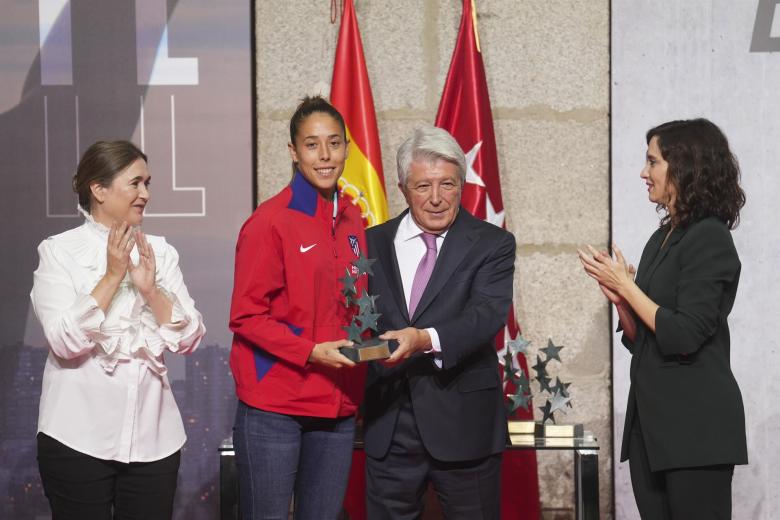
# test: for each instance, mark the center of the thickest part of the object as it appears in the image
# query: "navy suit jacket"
(458, 408)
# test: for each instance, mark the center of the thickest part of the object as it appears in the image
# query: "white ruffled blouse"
(105, 390)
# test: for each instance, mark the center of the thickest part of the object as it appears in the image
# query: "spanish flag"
(362, 180)
(350, 93)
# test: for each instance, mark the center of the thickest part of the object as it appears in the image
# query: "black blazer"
(458, 408)
(688, 402)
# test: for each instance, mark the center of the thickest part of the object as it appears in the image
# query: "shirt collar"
(408, 229)
(93, 225)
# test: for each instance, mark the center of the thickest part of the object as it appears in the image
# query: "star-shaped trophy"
(365, 319)
(517, 380)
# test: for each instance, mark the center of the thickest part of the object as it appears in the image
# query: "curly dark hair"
(702, 170)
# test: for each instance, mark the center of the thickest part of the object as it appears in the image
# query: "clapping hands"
(121, 240)
(143, 274)
(613, 275)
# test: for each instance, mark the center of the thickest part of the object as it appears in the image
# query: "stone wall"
(547, 66)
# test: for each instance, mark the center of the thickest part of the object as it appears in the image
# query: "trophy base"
(369, 350)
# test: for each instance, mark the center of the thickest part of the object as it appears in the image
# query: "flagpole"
(474, 23)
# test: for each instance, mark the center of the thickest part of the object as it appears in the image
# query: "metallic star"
(561, 387)
(559, 402)
(519, 400)
(521, 381)
(366, 302)
(547, 411)
(348, 283)
(368, 321)
(364, 265)
(518, 344)
(353, 332)
(551, 350)
(540, 367)
(544, 383)
(509, 365)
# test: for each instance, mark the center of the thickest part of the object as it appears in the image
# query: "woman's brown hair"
(702, 170)
(100, 164)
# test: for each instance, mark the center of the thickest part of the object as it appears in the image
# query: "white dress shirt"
(409, 250)
(105, 391)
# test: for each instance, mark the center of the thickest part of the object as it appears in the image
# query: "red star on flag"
(464, 111)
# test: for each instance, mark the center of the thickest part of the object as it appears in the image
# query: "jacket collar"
(660, 249)
(304, 195)
(306, 199)
(461, 236)
(385, 248)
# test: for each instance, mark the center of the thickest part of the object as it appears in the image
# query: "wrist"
(423, 339)
(622, 290)
(113, 278)
(625, 291)
(150, 293)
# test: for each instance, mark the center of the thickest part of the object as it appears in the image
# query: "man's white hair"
(428, 144)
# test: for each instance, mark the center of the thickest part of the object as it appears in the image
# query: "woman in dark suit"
(685, 424)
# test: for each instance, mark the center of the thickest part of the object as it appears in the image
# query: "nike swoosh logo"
(304, 249)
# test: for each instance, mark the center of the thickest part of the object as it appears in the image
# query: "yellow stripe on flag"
(362, 184)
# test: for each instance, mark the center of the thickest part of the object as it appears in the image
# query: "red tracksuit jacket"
(287, 297)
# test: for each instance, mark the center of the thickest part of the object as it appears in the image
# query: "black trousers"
(80, 487)
(395, 484)
(702, 493)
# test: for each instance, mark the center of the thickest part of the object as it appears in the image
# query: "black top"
(682, 387)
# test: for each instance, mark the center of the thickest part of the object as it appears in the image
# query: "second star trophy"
(366, 318)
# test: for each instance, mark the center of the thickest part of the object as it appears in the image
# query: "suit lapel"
(459, 240)
(655, 255)
(387, 257)
(649, 255)
(647, 275)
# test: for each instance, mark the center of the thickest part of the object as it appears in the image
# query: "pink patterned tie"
(424, 270)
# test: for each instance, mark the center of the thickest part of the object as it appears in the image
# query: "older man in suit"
(434, 411)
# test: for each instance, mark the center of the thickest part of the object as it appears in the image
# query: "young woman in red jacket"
(297, 393)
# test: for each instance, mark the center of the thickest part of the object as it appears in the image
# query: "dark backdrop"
(174, 77)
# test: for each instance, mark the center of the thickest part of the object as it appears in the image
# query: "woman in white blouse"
(111, 301)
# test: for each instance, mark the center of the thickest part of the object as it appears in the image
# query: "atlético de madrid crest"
(355, 245)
